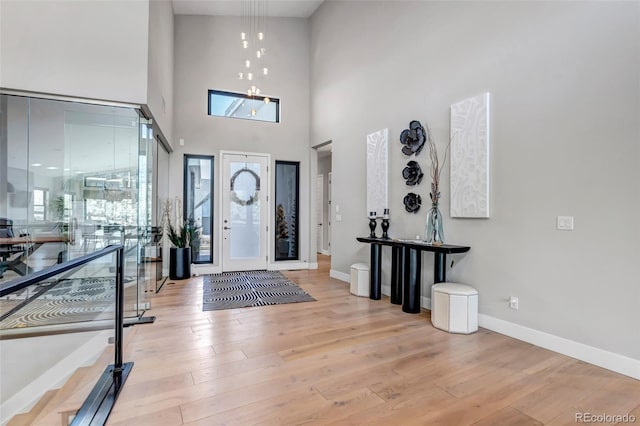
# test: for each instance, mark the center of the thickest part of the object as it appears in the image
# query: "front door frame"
(264, 182)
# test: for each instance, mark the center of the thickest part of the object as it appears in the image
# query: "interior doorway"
(323, 201)
(320, 213)
(329, 215)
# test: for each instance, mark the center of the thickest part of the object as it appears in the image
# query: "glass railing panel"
(82, 295)
(68, 312)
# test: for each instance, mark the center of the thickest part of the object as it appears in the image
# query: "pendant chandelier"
(252, 38)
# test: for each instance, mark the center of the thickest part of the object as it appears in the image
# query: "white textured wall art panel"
(377, 172)
(470, 157)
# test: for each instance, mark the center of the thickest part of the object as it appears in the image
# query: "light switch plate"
(338, 218)
(565, 223)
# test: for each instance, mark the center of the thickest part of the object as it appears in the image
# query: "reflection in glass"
(286, 229)
(73, 179)
(239, 105)
(198, 190)
(245, 210)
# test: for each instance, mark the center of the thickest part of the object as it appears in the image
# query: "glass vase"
(433, 229)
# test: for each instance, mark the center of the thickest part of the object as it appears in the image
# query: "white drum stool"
(360, 279)
(454, 308)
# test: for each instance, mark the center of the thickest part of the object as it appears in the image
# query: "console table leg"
(439, 268)
(397, 269)
(412, 290)
(375, 274)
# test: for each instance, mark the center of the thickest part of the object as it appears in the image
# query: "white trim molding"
(291, 266)
(425, 302)
(205, 268)
(340, 276)
(605, 359)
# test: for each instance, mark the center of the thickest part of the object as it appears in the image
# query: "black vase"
(179, 263)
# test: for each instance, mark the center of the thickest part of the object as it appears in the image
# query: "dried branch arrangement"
(436, 170)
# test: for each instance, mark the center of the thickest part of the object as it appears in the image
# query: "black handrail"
(35, 277)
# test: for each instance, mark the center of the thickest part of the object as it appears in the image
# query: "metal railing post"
(119, 310)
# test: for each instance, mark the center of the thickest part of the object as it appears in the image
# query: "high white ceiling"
(276, 8)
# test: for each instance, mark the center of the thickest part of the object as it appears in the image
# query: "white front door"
(245, 184)
(319, 213)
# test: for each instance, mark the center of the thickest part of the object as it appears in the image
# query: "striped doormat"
(231, 290)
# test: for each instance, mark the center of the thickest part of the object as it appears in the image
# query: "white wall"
(93, 49)
(21, 364)
(160, 79)
(209, 55)
(564, 80)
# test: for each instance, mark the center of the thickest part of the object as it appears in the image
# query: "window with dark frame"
(240, 105)
(198, 203)
(286, 210)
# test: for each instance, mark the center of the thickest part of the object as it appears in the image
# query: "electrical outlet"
(513, 302)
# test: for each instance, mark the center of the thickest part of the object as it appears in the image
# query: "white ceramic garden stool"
(360, 279)
(454, 308)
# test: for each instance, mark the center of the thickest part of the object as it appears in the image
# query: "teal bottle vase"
(434, 233)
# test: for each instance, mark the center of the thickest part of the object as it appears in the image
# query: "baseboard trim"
(425, 302)
(386, 290)
(340, 275)
(204, 269)
(291, 266)
(605, 359)
(55, 377)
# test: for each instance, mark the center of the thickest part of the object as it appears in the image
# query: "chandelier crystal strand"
(253, 36)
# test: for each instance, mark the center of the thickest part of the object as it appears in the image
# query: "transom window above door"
(240, 105)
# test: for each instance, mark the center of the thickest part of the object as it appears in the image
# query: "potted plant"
(282, 232)
(183, 237)
(193, 229)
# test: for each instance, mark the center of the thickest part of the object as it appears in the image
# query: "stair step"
(59, 407)
(28, 418)
(80, 382)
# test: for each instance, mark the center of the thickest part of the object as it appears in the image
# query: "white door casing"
(319, 213)
(328, 219)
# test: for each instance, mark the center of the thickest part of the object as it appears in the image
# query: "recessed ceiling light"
(78, 172)
(66, 169)
(52, 168)
(36, 165)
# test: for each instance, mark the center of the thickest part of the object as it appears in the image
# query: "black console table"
(406, 266)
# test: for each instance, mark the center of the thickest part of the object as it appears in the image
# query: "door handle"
(319, 224)
(226, 227)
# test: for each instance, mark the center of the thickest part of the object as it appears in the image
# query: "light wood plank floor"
(346, 360)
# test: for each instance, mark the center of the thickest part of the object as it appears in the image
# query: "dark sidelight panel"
(286, 226)
(198, 203)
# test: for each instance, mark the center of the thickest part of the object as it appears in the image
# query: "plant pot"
(283, 247)
(179, 263)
